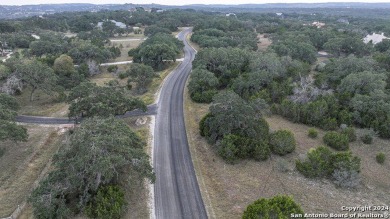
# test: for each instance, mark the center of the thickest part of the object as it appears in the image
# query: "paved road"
(152, 110)
(176, 190)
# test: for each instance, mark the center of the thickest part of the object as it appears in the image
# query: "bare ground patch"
(263, 42)
(228, 189)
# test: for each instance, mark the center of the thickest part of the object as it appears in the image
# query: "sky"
(174, 2)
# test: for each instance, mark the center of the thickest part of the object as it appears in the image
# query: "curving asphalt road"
(176, 190)
(152, 110)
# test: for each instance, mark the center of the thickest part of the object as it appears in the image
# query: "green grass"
(43, 104)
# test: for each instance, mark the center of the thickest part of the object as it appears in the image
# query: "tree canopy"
(100, 152)
(9, 130)
(90, 100)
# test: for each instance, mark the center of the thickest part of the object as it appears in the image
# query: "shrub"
(122, 75)
(277, 207)
(346, 178)
(203, 129)
(330, 124)
(108, 203)
(351, 133)
(380, 158)
(282, 165)
(282, 142)
(228, 148)
(112, 68)
(312, 133)
(342, 167)
(346, 170)
(336, 140)
(317, 163)
(367, 138)
(2, 152)
(261, 151)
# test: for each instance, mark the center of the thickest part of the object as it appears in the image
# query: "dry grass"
(127, 45)
(264, 43)
(136, 195)
(228, 189)
(43, 104)
(23, 163)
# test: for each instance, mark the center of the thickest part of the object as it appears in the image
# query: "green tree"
(362, 83)
(89, 100)
(109, 27)
(202, 86)
(68, 76)
(108, 203)
(282, 142)
(9, 130)
(142, 75)
(156, 50)
(236, 127)
(100, 152)
(38, 76)
(336, 140)
(281, 207)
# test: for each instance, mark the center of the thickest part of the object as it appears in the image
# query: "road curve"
(152, 110)
(176, 189)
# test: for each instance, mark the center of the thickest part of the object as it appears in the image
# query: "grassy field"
(228, 189)
(23, 163)
(126, 46)
(43, 104)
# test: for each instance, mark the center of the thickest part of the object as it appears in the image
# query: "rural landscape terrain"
(195, 111)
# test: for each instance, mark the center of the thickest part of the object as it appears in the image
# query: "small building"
(231, 14)
(374, 38)
(318, 24)
(117, 23)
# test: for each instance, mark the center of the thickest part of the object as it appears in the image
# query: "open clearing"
(43, 104)
(228, 189)
(23, 163)
(264, 42)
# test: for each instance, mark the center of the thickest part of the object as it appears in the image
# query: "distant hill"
(9, 12)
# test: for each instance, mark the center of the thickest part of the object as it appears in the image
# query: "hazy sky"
(173, 2)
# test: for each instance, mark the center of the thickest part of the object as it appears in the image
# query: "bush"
(330, 124)
(367, 138)
(277, 207)
(203, 129)
(228, 148)
(351, 133)
(108, 203)
(112, 68)
(312, 133)
(261, 151)
(346, 170)
(122, 75)
(317, 163)
(342, 167)
(336, 140)
(380, 158)
(282, 142)
(2, 152)
(346, 178)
